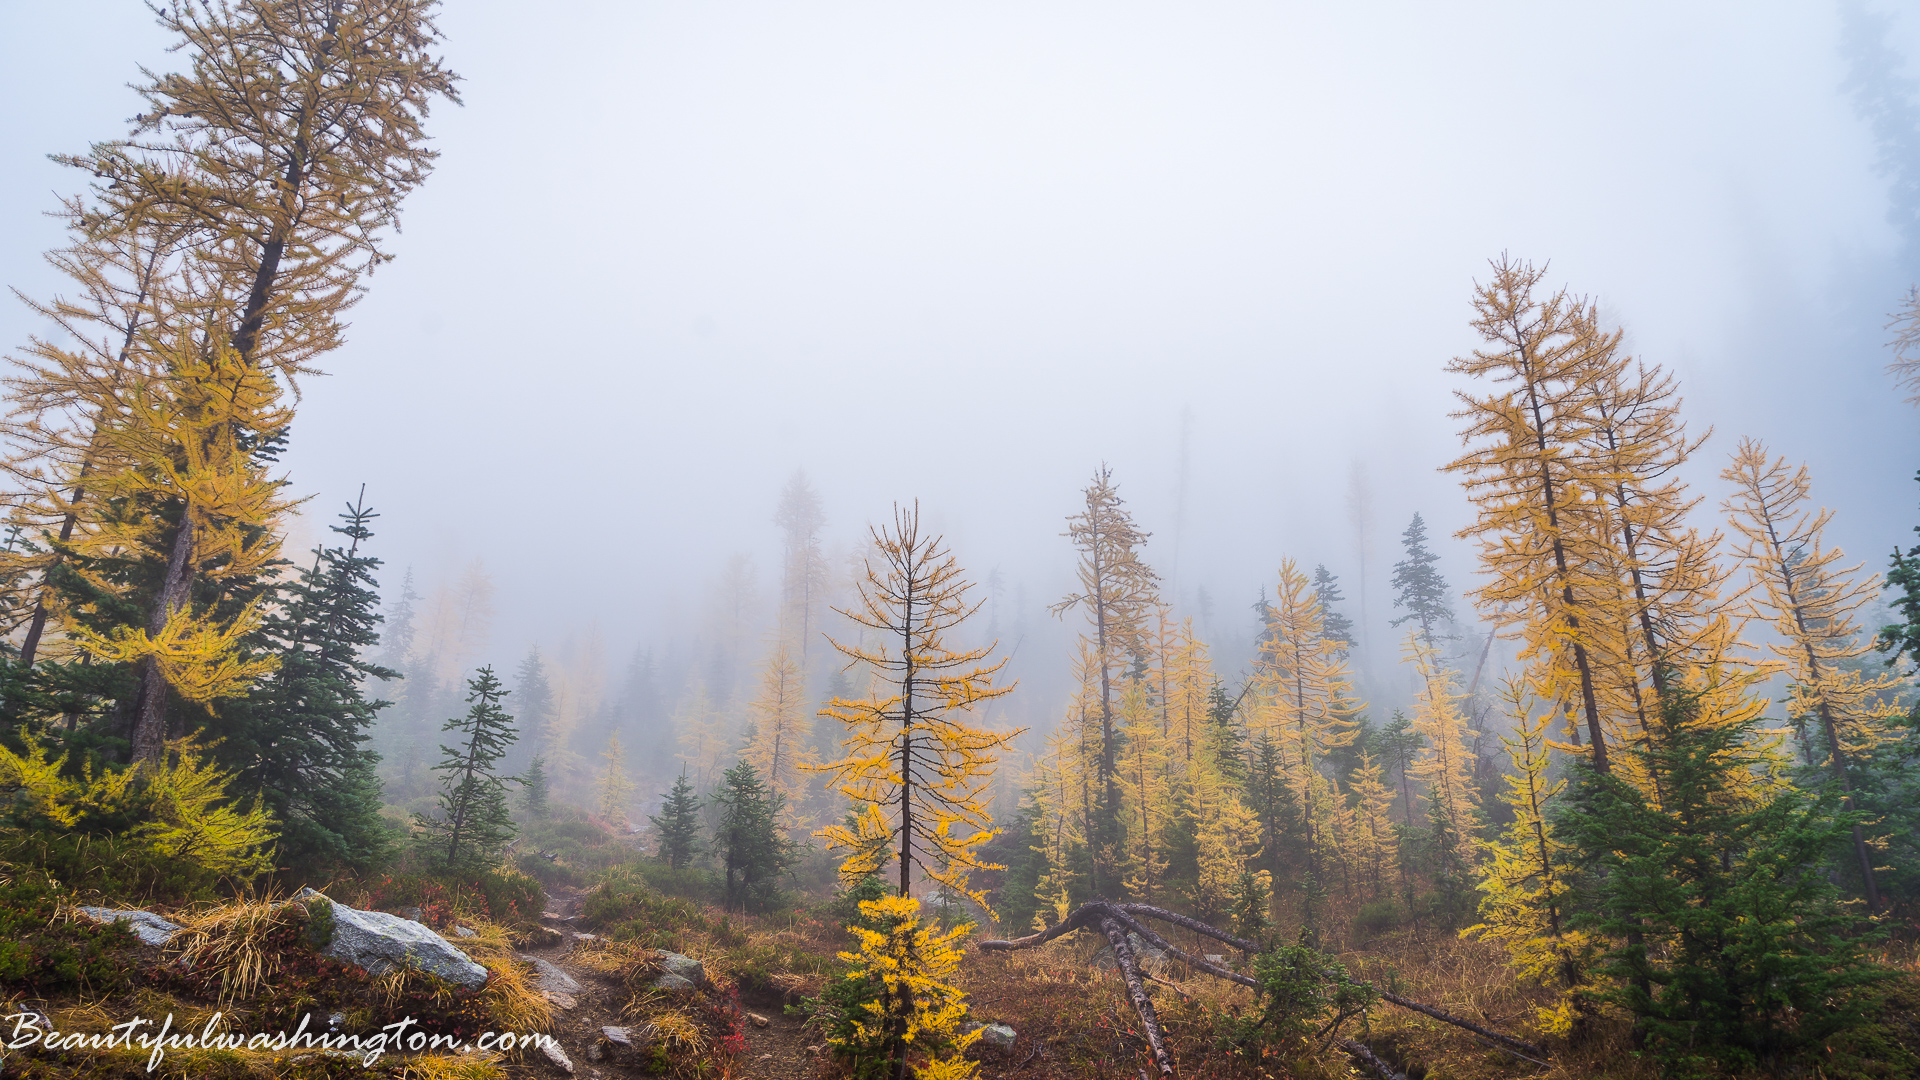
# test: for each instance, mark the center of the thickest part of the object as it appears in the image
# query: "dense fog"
(672, 254)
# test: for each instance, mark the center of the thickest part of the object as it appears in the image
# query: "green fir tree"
(752, 848)
(1736, 951)
(678, 824)
(473, 827)
(1419, 588)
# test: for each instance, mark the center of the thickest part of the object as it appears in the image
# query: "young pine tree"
(473, 826)
(1418, 586)
(1737, 951)
(678, 824)
(752, 847)
(533, 790)
(301, 733)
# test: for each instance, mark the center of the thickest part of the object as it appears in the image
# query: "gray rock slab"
(148, 927)
(550, 978)
(378, 942)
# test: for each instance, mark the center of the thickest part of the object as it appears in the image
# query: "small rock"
(681, 973)
(411, 913)
(564, 1001)
(758, 1020)
(148, 927)
(551, 978)
(998, 1036)
(585, 937)
(766, 1057)
(1216, 959)
(550, 916)
(625, 1045)
(463, 931)
(551, 1048)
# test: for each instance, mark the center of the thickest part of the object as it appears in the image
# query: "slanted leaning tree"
(284, 152)
(1812, 604)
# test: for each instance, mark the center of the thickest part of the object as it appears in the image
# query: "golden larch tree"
(1118, 595)
(614, 791)
(1146, 800)
(1444, 762)
(281, 157)
(1375, 845)
(1812, 604)
(1525, 883)
(911, 756)
(1306, 704)
(1526, 471)
(780, 749)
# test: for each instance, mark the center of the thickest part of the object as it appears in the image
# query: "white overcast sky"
(966, 252)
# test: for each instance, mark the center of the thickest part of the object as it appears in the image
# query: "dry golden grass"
(512, 1000)
(451, 1067)
(622, 960)
(233, 937)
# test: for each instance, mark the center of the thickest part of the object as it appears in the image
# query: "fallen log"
(1115, 920)
(1129, 968)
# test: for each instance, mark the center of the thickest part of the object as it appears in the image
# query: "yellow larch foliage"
(705, 737)
(1227, 836)
(186, 426)
(918, 1007)
(1527, 472)
(1669, 581)
(1056, 791)
(1186, 678)
(1812, 604)
(181, 804)
(1373, 842)
(1057, 825)
(1525, 882)
(910, 751)
(1306, 706)
(782, 727)
(1146, 796)
(1445, 760)
(615, 790)
(56, 396)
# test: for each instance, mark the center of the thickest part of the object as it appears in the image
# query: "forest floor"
(779, 1050)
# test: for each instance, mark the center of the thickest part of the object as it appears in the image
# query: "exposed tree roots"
(1115, 921)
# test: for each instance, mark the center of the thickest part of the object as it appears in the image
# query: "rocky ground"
(587, 1002)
